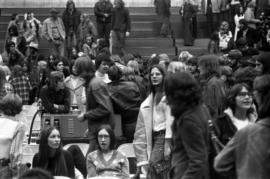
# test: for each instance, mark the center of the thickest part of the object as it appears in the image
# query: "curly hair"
(183, 92)
(11, 104)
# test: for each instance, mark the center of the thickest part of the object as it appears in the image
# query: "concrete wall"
(79, 3)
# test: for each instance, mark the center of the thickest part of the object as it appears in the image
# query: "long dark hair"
(44, 154)
(85, 69)
(152, 89)
(111, 134)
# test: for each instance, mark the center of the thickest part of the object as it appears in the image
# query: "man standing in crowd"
(71, 19)
(212, 10)
(54, 32)
(103, 13)
(120, 27)
(190, 139)
(163, 11)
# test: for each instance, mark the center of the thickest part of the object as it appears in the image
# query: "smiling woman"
(51, 156)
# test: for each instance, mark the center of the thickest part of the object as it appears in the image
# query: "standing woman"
(152, 136)
(12, 133)
(51, 155)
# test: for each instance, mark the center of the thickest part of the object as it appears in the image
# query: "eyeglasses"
(103, 136)
(244, 94)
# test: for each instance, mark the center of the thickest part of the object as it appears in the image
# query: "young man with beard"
(190, 138)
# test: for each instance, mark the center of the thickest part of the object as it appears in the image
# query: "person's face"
(156, 77)
(54, 139)
(60, 84)
(74, 52)
(259, 67)
(202, 70)
(12, 48)
(104, 67)
(104, 140)
(89, 40)
(60, 66)
(71, 7)
(243, 99)
(17, 18)
(241, 10)
(117, 3)
(42, 65)
(54, 15)
(74, 71)
(29, 17)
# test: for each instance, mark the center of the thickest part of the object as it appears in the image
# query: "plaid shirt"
(6, 90)
(21, 87)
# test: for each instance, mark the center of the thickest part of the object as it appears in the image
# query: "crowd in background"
(203, 116)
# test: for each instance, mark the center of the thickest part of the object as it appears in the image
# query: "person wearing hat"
(54, 31)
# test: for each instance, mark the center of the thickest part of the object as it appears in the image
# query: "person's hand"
(80, 117)
(56, 106)
(106, 15)
(167, 149)
(144, 169)
(127, 34)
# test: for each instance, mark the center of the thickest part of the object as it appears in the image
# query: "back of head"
(85, 68)
(11, 104)
(114, 73)
(210, 63)
(54, 77)
(36, 173)
(182, 91)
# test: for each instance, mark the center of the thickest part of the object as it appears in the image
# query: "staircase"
(145, 27)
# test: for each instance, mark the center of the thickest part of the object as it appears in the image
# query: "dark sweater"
(120, 20)
(50, 97)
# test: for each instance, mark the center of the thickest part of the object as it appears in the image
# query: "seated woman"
(240, 112)
(107, 162)
(55, 96)
(12, 133)
(51, 155)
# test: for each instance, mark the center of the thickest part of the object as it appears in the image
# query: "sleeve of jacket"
(97, 11)
(46, 101)
(225, 160)
(104, 105)
(139, 142)
(196, 149)
(128, 21)
(66, 105)
(63, 27)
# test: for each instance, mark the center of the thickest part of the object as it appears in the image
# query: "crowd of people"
(190, 116)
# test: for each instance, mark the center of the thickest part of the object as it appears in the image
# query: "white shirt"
(159, 117)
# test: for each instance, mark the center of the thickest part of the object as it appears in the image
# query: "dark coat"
(126, 99)
(101, 8)
(191, 144)
(99, 109)
(226, 128)
(121, 20)
(50, 97)
(247, 153)
(71, 21)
